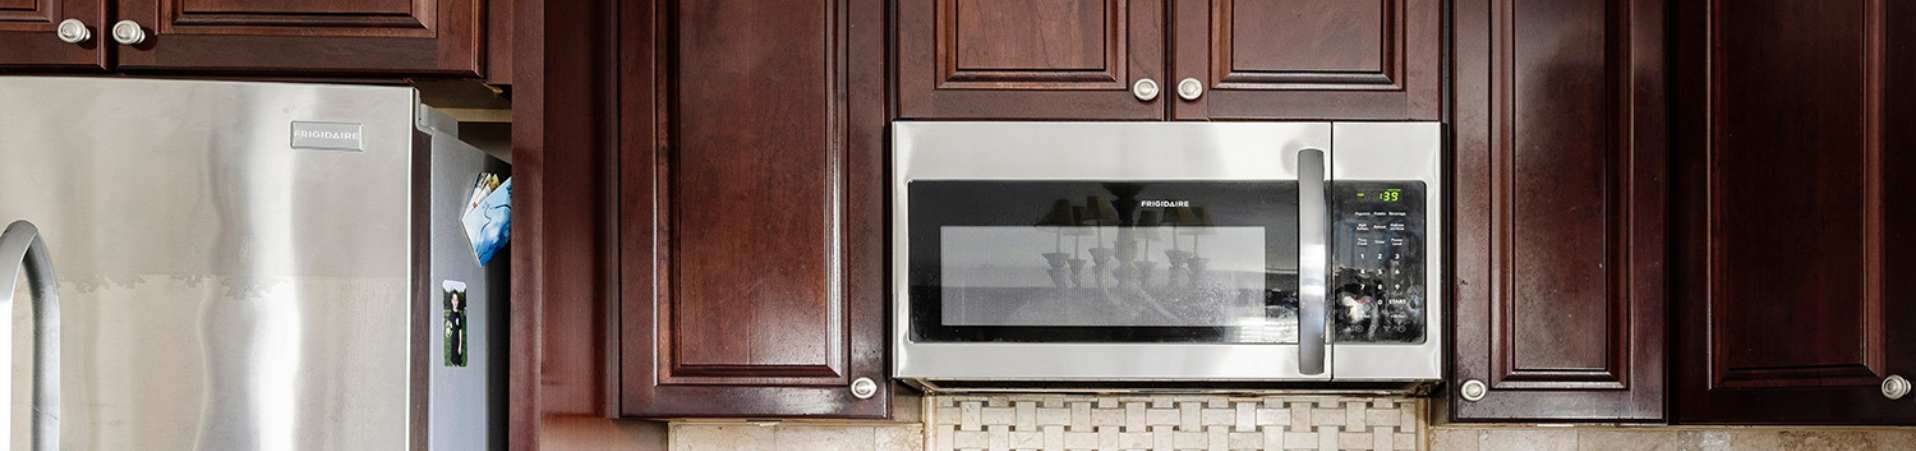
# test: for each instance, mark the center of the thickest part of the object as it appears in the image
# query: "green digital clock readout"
(1388, 195)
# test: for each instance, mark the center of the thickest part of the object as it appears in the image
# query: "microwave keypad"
(1378, 287)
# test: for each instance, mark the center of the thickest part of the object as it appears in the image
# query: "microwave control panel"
(1378, 287)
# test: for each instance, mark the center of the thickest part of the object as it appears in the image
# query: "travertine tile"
(1628, 440)
(900, 438)
(1512, 439)
(726, 437)
(1453, 439)
(825, 438)
(1833, 440)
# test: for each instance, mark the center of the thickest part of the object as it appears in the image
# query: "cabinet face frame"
(690, 345)
(1753, 353)
(1609, 367)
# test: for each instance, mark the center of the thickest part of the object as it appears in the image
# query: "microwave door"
(1111, 251)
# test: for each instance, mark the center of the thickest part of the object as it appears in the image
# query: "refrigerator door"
(221, 288)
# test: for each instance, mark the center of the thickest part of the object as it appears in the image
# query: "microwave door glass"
(1096, 262)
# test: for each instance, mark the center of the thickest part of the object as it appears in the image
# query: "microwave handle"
(1312, 243)
(22, 249)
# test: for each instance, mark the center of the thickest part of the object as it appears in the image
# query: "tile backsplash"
(1203, 423)
(1231, 423)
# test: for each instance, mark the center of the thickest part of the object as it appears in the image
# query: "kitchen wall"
(1228, 423)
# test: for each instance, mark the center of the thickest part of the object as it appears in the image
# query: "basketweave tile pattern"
(1171, 423)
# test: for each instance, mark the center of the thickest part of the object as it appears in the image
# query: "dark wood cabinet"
(305, 37)
(29, 38)
(1247, 59)
(425, 37)
(751, 208)
(1307, 59)
(1793, 241)
(1560, 210)
(1029, 59)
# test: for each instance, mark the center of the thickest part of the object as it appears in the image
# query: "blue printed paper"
(489, 225)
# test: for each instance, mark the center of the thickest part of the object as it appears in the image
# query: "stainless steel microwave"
(1124, 254)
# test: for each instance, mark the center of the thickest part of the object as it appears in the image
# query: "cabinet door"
(1307, 59)
(29, 42)
(412, 37)
(1794, 260)
(1030, 59)
(751, 215)
(1560, 161)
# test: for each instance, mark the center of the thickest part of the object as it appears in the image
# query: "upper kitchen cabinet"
(52, 35)
(1031, 59)
(1306, 59)
(1561, 194)
(1228, 59)
(303, 37)
(412, 37)
(751, 209)
(1794, 248)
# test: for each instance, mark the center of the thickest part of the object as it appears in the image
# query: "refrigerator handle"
(22, 249)
(1313, 241)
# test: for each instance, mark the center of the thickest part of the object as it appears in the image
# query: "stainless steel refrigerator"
(200, 265)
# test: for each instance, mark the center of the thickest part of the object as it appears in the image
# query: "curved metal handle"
(22, 249)
(1313, 239)
(128, 32)
(73, 31)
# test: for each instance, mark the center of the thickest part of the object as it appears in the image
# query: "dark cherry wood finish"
(416, 37)
(1792, 256)
(751, 225)
(1308, 59)
(1029, 59)
(1561, 187)
(28, 41)
(499, 40)
(564, 274)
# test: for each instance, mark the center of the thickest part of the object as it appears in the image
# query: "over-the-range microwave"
(1141, 256)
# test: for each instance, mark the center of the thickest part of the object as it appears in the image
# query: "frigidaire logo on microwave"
(1164, 203)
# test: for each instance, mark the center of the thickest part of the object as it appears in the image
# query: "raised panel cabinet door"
(1307, 59)
(1561, 195)
(1794, 293)
(353, 37)
(750, 218)
(30, 39)
(1031, 59)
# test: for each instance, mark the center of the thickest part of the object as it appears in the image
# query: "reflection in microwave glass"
(1109, 277)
